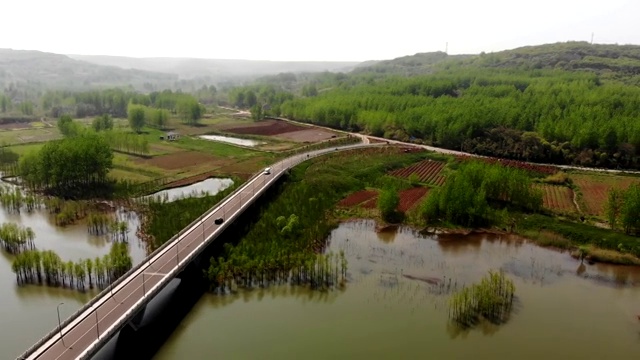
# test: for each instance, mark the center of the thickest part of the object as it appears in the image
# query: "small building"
(171, 136)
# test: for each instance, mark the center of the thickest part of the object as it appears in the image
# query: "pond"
(388, 309)
(29, 312)
(209, 186)
(232, 140)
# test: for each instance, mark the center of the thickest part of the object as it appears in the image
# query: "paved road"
(105, 317)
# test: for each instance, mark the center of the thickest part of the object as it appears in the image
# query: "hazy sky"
(308, 30)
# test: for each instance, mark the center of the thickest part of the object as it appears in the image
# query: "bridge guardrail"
(168, 243)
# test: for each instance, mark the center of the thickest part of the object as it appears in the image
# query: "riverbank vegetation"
(162, 219)
(286, 242)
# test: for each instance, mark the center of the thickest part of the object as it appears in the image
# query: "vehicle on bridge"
(218, 221)
(267, 171)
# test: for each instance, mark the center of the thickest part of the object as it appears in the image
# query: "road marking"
(155, 273)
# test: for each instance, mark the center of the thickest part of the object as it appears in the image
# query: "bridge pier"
(137, 319)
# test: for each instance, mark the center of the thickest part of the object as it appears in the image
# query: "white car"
(267, 171)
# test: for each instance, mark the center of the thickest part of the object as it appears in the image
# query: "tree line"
(113, 102)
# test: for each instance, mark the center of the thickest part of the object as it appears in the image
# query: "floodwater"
(209, 186)
(563, 310)
(232, 140)
(29, 312)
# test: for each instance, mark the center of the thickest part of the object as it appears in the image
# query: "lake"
(563, 310)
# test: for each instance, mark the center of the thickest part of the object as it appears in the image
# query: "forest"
(550, 116)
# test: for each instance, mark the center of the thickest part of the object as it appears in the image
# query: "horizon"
(303, 61)
(284, 30)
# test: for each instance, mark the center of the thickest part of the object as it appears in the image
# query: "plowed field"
(595, 190)
(556, 197)
(410, 197)
(358, 198)
(428, 171)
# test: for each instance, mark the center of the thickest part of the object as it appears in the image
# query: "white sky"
(348, 30)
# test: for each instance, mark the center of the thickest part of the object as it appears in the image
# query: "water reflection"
(209, 186)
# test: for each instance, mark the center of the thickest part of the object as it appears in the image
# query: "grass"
(25, 148)
(122, 174)
(604, 243)
(23, 136)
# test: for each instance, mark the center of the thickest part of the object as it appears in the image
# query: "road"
(102, 319)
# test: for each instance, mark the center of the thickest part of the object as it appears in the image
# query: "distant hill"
(420, 63)
(32, 70)
(610, 61)
(217, 69)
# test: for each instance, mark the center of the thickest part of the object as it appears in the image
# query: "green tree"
(256, 112)
(388, 201)
(67, 126)
(136, 116)
(4, 103)
(102, 122)
(613, 207)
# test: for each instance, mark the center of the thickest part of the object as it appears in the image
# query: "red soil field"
(410, 197)
(267, 128)
(357, 198)
(370, 204)
(556, 197)
(543, 169)
(428, 171)
(595, 190)
(184, 159)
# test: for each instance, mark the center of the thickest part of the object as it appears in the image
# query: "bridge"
(125, 300)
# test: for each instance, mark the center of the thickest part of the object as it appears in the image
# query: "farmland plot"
(427, 171)
(556, 197)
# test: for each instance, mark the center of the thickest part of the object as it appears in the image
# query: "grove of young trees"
(469, 196)
(536, 115)
(47, 268)
(69, 166)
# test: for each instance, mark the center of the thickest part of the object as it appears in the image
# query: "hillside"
(620, 62)
(420, 63)
(35, 70)
(217, 69)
